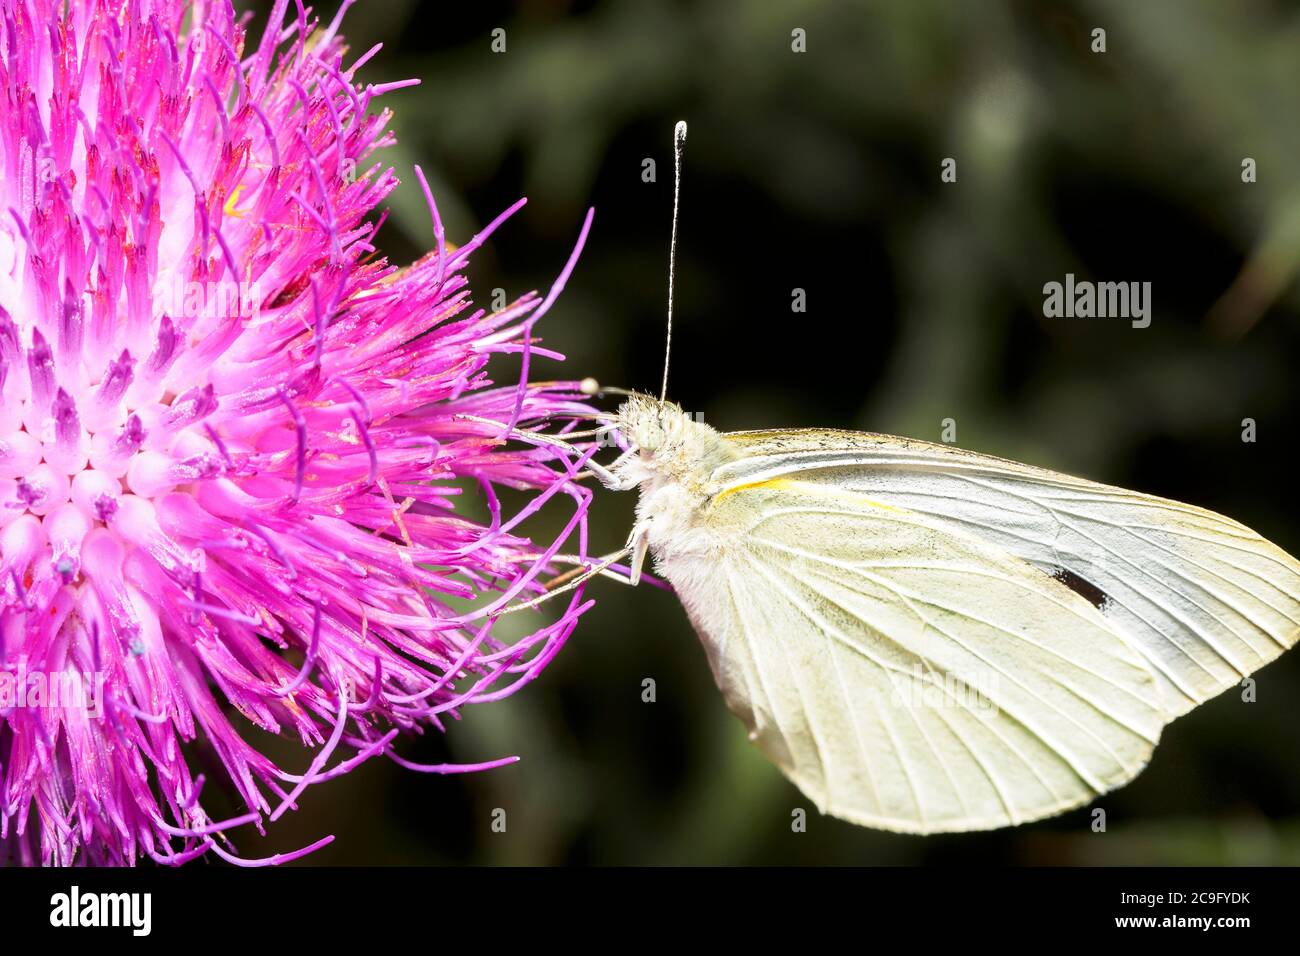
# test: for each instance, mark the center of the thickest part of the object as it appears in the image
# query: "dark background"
(821, 171)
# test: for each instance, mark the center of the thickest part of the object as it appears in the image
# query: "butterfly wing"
(1206, 599)
(907, 675)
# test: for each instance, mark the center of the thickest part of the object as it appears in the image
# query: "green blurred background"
(820, 171)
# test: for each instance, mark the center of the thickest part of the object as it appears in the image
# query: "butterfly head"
(651, 425)
(668, 443)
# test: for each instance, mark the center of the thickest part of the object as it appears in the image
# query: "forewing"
(1206, 599)
(907, 676)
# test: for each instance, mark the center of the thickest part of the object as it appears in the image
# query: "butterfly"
(925, 639)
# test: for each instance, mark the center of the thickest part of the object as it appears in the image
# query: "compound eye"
(649, 435)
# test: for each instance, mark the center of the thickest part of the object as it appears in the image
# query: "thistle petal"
(232, 435)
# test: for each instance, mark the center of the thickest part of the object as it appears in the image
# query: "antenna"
(679, 142)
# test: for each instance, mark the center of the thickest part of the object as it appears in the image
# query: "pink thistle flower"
(232, 436)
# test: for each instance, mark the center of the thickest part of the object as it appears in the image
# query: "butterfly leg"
(638, 541)
(620, 477)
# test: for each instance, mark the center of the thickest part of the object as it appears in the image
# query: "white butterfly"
(894, 620)
(926, 639)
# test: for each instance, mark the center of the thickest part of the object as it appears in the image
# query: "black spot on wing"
(1082, 587)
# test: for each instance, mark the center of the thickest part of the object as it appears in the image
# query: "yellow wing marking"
(786, 484)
